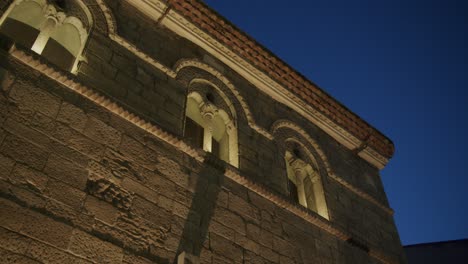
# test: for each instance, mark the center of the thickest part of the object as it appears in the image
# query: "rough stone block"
(93, 248)
(65, 193)
(96, 47)
(71, 154)
(101, 132)
(147, 233)
(266, 238)
(144, 78)
(136, 151)
(283, 247)
(140, 190)
(15, 126)
(11, 212)
(253, 231)
(181, 210)
(124, 64)
(72, 116)
(24, 152)
(66, 171)
(128, 82)
(77, 141)
(247, 243)
(9, 257)
(46, 229)
(152, 213)
(222, 230)
(14, 241)
(2, 133)
(286, 260)
(100, 209)
(40, 122)
(22, 195)
(173, 171)
(132, 259)
(77, 218)
(252, 258)
(119, 167)
(6, 165)
(243, 208)
(225, 248)
(30, 178)
(28, 95)
(47, 254)
(229, 219)
(269, 254)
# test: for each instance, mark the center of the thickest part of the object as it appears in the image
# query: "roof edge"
(200, 24)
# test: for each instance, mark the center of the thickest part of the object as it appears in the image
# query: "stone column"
(208, 112)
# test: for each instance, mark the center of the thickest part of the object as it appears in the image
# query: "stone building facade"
(152, 131)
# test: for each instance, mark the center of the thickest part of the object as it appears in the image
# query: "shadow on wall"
(202, 208)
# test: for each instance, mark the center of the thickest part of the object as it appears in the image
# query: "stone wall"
(80, 184)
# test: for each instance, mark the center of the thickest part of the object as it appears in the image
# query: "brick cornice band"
(223, 31)
(311, 102)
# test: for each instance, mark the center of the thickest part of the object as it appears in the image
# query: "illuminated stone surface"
(94, 166)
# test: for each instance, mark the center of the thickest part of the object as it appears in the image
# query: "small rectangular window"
(194, 133)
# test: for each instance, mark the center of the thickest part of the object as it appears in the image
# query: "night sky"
(403, 67)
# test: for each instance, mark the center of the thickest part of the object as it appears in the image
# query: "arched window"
(304, 182)
(307, 166)
(210, 127)
(48, 29)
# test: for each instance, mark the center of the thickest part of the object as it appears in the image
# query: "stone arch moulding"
(225, 98)
(110, 20)
(280, 124)
(285, 124)
(184, 63)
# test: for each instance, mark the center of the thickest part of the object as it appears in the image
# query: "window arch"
(210, 126)
(306, 166)
(304, 182)
(50, 30)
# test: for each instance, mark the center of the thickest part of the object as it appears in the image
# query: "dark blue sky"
(403, 67)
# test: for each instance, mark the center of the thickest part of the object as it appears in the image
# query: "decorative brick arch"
(229, 106)
(245, 108)
(286, 124)
(110, 20)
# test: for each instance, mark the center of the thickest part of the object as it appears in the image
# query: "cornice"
(68, 81)
(160, 7)
(179, 24)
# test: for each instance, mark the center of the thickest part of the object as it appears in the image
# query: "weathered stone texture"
(78, 184)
